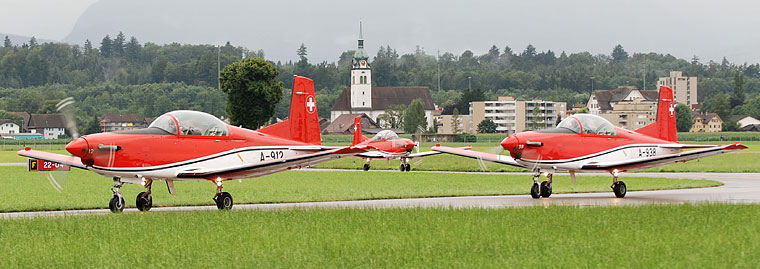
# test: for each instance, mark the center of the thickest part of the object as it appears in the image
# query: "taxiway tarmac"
(737, 188)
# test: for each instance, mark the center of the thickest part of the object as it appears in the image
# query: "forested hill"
(46, 72)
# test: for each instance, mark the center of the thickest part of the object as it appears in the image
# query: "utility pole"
(219, 67)
(469, 83)
(439, 69)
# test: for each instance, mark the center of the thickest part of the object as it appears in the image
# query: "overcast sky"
(708, 29)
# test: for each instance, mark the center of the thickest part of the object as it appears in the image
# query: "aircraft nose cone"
(512, 144)
(78, 147)
(409, 146)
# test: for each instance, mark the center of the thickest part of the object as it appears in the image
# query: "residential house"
(111, 122)
(51, 126)
(706, 123)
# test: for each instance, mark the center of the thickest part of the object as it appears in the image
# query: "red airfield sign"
(42, 165)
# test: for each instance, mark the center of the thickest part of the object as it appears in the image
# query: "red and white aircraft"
(589, 143)
(192, 145)
(387, 145)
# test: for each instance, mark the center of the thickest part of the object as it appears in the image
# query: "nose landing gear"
(223, 199)
(541, 190)
(116, 204)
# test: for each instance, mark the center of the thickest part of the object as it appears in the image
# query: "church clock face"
(363, 63)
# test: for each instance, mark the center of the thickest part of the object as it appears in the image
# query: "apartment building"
(514, 116)
(684, 88)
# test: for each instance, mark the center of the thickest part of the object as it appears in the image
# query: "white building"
(514, 116)
(9, 127)
(49, 125)
(362, 97)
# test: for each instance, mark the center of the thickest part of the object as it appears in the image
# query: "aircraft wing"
(653, 161)
(497, 158)
(271, 166)
(53, 157)
(433, 152)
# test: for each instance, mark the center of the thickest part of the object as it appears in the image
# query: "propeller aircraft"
(589, 143)
(387, 145)
(192, 145)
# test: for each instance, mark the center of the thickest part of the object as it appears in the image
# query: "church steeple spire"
(361, 57)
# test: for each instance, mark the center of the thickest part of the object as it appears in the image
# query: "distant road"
(737, 188)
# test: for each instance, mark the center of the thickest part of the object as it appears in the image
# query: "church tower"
(361, 77)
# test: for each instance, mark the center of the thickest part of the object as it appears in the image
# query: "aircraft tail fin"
(665, 126)
(358, 137)
(303, 122)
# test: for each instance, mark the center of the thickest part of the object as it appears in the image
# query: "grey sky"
(709, 29)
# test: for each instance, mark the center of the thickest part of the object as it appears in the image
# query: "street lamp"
(469, 83)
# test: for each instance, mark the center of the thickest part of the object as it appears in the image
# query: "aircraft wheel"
(408, 167)
(546, 189)
(366, 167)
(535, 191)
(402, 167)
(224, 201)
(144, 201)
(620, 189)
(116, 204)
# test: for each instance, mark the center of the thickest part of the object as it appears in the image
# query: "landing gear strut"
(546, 187)
(223, 199)
(535, 189)
(541, 190)
(366, 165)
(144, 200)
(117, 201)
(618, 187)
(405, 166)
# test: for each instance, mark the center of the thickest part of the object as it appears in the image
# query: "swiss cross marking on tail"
(310, 104)
(671, 109)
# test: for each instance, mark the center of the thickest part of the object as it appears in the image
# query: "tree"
(619, 54)
(118, 44)
(302, 52)
(683, 118)
(719, 104)
(455, 122)
(487, 126)
(414, 117)
(33, 43)
(7, 43)
(132, 50)
(106, 46)
(738, 96)
(252, 91)
(18, 120)
(87, 47)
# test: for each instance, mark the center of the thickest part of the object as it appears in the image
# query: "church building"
(362, 97)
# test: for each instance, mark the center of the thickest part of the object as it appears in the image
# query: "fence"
(38, 144)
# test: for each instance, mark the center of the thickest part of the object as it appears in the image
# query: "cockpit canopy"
(190, 123)
(589, 124)
(385, 135)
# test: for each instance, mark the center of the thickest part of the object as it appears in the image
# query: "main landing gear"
(405, 166)
(144, 200)
(618, 187)
(223, 199)
(116, 204)
(366, 165)
(541, 190)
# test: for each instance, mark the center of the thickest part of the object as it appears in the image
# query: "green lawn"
(654, 236)
(26, 191)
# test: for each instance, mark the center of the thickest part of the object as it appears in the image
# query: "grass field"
(654, 236)
(26, 191)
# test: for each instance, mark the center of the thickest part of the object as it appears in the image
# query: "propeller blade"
(66, 107)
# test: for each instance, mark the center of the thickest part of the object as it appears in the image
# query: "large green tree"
(414, 117)
(738, 96)
(487, 126)
(252, 90)
(619, 54)
(683, 118)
